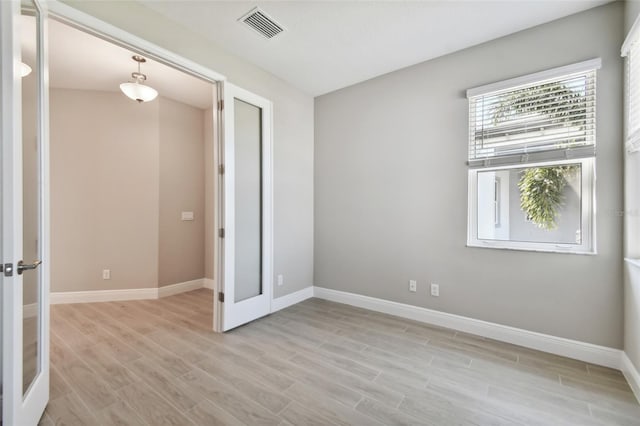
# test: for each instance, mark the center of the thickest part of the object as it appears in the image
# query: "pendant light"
(25, 69)
(136, 90)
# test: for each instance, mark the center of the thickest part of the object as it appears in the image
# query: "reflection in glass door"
(31, 194)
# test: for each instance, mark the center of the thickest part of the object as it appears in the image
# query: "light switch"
(187, 215)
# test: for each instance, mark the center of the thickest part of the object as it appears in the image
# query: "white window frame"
(584, 156)
(587, 209)
(630, 49)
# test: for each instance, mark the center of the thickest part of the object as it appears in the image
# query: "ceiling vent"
(262, 23)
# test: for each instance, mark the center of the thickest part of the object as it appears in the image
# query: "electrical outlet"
(413, 286)
(435, 290)
(280, 280)
(106, 274)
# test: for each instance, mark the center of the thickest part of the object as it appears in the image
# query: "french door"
(24, 213)
(245, 186)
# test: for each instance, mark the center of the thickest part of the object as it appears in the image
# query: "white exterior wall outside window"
(532, 161)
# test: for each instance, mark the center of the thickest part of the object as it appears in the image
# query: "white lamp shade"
(25, 69)
(139, 92)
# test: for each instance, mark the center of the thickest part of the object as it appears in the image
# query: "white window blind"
(550, 117)
(633, 97)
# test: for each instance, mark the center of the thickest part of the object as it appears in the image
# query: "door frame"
(94, 26)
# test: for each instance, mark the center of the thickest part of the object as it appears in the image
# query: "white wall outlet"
(186, 216)
(106, 274)
(413, 286)
(435, 290)
(280, 279)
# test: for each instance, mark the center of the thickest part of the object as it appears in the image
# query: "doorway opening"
(132, 183)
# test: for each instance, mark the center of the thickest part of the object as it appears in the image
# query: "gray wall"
(181, 249)
(292, 129)
(632, 314)
(632, 227)
(104, 191)
(121, 174)
(391, 189)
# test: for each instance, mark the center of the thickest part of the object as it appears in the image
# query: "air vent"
(262, 23)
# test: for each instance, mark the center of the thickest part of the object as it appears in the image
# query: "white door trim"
(11, 217)
(99, 28)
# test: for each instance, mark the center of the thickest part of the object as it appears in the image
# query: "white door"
(24, 213)
(246, 201)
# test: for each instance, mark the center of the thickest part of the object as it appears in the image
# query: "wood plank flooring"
(315, 363)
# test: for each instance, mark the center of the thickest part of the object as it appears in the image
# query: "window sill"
(633, 261)
(537, 250)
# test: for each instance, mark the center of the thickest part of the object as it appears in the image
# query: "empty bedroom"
(320, 212)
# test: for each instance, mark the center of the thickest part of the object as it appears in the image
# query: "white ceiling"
(328, 45)
(78, 60)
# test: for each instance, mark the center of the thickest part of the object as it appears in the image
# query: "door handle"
(22, 267)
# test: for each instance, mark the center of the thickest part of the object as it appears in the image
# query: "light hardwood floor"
(315, 363)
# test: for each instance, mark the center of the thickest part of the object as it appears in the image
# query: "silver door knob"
(22, 267)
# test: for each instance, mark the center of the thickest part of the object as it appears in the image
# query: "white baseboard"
(209, 283)
(587, 352)
(292, 299)
(102, 295)
(172, 289)
(56, 298)
(30, 310)
(632, 375)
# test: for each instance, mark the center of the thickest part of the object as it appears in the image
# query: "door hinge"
(7, 268)
(221, 169)
(221, 232)
(221, 297)
(220, 105)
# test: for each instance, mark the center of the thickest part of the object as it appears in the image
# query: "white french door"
(245, 278)
(24, 255)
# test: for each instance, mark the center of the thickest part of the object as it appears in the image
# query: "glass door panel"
(24, 212)
(248, 198)
(30, 194)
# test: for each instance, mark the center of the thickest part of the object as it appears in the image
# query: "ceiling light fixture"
(25, 69)
(136, 90)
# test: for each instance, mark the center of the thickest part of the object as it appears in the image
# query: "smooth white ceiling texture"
(78, 60)
(328, 45)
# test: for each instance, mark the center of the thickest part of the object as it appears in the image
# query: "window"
(631, 49)
(631, 52)
(532, 161)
